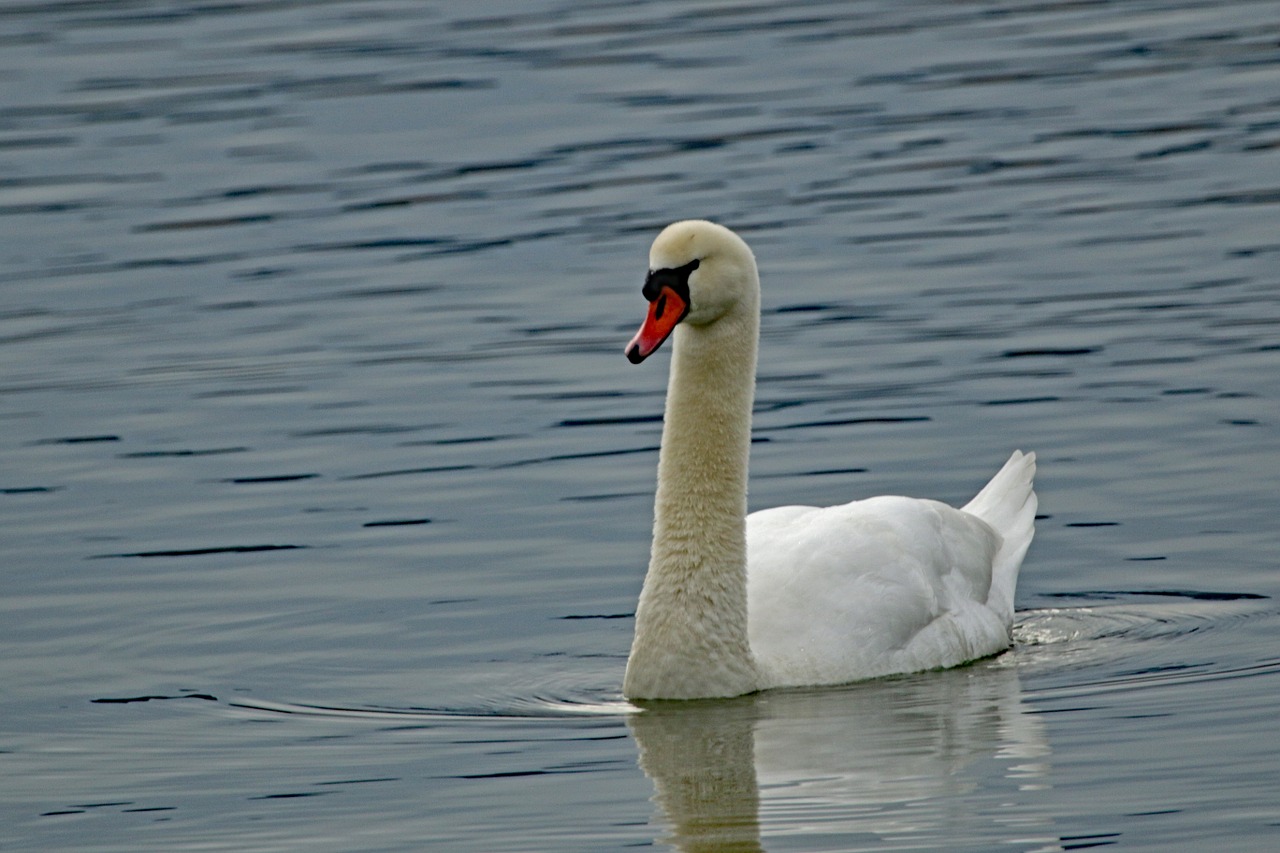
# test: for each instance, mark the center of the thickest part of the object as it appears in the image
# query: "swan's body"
(792, 596)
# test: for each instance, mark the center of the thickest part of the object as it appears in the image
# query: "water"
(326, 488)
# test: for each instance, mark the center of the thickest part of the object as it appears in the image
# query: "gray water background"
(325, 489)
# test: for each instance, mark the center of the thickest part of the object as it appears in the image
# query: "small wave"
(1176, 613)
(1063, 641)
(532, 707)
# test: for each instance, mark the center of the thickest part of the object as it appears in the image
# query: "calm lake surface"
(325, 488)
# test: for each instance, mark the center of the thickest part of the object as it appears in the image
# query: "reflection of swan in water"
(880, 760)
(701, 758)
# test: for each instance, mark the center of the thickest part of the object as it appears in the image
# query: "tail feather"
(1008, 503)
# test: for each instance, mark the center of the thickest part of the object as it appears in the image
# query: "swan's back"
(887, 584)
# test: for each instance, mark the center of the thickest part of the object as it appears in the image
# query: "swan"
(792, 596)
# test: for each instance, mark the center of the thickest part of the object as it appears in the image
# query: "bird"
(793, 596)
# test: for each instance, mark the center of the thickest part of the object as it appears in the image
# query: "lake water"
(325, 488)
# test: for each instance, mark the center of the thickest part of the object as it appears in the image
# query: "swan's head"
(698, 271)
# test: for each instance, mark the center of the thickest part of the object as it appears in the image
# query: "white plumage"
(883, 585)
(793, 596)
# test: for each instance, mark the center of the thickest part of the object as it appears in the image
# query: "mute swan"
(792, 596)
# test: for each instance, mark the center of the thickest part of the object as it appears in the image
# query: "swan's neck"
(691, 623)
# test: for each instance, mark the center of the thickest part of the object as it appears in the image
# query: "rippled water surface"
(325, 489)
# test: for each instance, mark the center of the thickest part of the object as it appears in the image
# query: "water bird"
(796, 595)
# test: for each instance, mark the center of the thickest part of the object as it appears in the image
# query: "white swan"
(796, 595)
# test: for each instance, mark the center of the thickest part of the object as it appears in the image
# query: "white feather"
(798, 596)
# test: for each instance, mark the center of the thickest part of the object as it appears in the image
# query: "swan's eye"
(677, 278)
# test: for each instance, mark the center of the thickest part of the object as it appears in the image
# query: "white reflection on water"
(885, 760)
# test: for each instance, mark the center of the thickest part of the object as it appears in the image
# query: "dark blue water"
(325, 488)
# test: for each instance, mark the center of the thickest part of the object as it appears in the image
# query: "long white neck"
(691, 623)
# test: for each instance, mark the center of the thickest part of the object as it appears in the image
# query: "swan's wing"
(883, 585)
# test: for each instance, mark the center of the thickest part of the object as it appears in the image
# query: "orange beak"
(665, 313)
